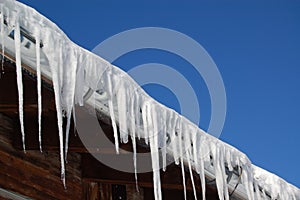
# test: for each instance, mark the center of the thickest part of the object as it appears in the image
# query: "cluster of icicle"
(73, 68)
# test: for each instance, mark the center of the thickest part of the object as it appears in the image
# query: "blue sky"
(255, 44)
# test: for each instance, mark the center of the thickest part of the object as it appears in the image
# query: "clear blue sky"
(255, 44)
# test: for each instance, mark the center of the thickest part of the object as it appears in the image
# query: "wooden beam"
(36, 174)
(50, 139)
(91, 191)
(93, 170)
(9, 91)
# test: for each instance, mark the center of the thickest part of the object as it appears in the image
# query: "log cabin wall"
(37, 175)
(33, 174)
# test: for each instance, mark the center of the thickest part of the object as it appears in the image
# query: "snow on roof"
(72, 70)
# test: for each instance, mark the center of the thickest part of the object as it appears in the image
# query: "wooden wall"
(33, 173)
(37, 175)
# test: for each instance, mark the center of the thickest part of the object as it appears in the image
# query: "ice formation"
(17, 37)
(72, 70)
(39, 85)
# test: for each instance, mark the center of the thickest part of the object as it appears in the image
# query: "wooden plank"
(93, 170)
(105, 190)
(50, 139)
(133, 194)
(15, 185)
(36, 174)
(34, 180)
(176, 194)
(91, 191)
(9, 91)
(171, 179)
(9, 108)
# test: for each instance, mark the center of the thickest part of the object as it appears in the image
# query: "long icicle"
(164, 134)
(173, 132)
(111, 109)
(198, 160)
(248, 181)
(69, 115)
(122, 111)
(200, 157)
(137, 115)
(39, 87)
(188, 148)
(17, 36)
(133, 137)
(71, 103)
(153, 139)
(223, 172)
(59, 123)
(145, 124)
(181, 154)
(218, 171)
(57, 95)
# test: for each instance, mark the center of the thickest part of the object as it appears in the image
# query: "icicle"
(222, 166)
(57, 95)
(2, 38)
(69, 114)
(195, 145)
(153, 138)
(218, 161)
(164, 134)
(188, 148)
(137, 113)
(257, 192)
(218, 171)
(174, 137)
(39, 87)
(145, 121)
(19, 76)
(180, 138)
(70, 93)
(80, 79)
(228, 160)
(264, 194)
(74, 120)
(247, 180)
(133, 125)
(59, 123)
(201, 163)
(111, 109)
(195, 149)
(122, 107)
(219, 164)
(250, 181)
(60, 69)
